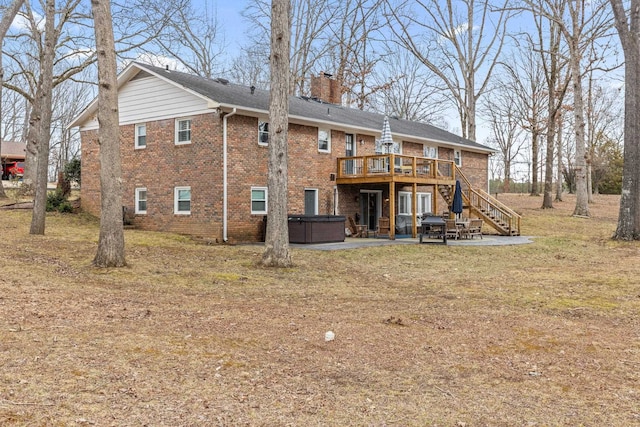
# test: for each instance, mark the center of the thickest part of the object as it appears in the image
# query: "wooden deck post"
(392, 210)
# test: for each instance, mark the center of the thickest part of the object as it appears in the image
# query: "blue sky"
(229, 16)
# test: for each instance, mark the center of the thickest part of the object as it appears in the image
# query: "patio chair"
(356, 231)
(451, 229)
(384, 226)
(475, 228)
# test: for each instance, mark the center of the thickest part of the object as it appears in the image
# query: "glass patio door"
(370, 208)
(349, 151)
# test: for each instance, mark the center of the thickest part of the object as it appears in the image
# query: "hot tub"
(316, 228)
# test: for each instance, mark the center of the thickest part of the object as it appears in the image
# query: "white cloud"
(21, 22)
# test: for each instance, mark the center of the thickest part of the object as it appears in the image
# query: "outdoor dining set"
(443, 227)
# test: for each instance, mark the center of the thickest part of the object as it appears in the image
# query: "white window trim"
(137, 136)
(260, 143)
(176, 192)
(177, 130)
(409, 208)
(328, 149)
(266, 201)
(430, 147)
(137, 201)
(426, 196)
(315, 191)
(457, 154)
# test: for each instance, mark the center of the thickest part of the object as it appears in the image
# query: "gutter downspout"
(224, 175)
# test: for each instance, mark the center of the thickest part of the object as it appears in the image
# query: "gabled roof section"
(301, 109)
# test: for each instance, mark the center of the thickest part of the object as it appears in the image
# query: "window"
(258, 200)
(404, 203)
(311, 201)
(141, 201)
(324, 140)
(424, 203)
(141, 136)
(182, 200)
(263, 133)
(183, 131)
(457, 157)
(430, 152)
(405, 207)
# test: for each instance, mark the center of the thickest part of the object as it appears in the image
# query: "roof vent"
(253, 89)
(166, 67)
(223, 81)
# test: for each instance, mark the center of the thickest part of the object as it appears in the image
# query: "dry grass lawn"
(544, 334)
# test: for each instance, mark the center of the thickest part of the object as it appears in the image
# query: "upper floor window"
(457, 157)
(259, 200)
(141, 201)
(182, 200)
(430, 152)
(324, 140)
(263, 133)
(183, 131)
(141, 135)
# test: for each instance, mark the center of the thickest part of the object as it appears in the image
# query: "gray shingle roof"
(233, 95)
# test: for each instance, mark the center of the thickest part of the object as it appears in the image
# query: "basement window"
(141, 201)
(258, 200)
(182, 201)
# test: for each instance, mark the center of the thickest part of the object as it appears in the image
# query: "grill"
(433, 227)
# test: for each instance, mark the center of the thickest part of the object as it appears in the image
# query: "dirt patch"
(188, 334)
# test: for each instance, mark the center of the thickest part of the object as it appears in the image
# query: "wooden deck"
(392, 169)
(384, 168)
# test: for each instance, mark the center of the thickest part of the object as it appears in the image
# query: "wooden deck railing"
(395, 165)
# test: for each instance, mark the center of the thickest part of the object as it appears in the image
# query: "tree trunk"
(40, 124)
(559, 179)
(7, 18)
(629, 31)
(535, 149)
(276, 253)
(111, 241)
(582, 199)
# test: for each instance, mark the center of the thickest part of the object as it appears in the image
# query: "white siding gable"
(150, 98)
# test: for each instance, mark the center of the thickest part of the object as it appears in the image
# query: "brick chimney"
(326, 89)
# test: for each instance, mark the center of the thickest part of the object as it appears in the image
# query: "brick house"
(194, 158)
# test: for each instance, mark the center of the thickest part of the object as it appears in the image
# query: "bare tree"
(549, 45)
(527, 81)
(353, 51)
(503, 108)
(111, 241)
(68, 51)
(276, 253)
(627, 23)
(409, 90)
(456, 41)
(193, 38)
(249, 69)
(7, 18)
(309, 21)
(603, 119)
(40, 120)
(580, 24)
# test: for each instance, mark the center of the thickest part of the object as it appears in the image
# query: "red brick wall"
(159, 168)
(162, 165)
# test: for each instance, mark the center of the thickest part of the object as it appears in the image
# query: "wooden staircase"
(480, 203)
